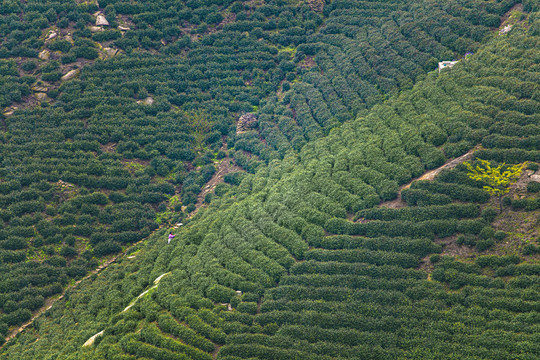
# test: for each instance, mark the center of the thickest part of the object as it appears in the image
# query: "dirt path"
(51, 301)
(430, 175)
(225, 166)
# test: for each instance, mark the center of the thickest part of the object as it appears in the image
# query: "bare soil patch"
(225, 166)
(429, 175)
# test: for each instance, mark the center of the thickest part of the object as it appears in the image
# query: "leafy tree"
(200, 126)
(499, 179)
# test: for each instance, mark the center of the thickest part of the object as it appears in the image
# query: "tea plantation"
(324, 246)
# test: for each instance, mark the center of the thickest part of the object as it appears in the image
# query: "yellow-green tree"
(200, 124)
(498, 179)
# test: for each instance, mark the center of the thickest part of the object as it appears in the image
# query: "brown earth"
(225, 166)
(429, 175)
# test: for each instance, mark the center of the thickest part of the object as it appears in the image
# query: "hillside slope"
(111, 131)
(303, 280)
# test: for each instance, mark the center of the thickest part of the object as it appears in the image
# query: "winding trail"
(224, 167)
(430, 175)
(51, 301)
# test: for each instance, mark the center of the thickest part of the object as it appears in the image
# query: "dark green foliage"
(533, 187)
(106, 248)
(422, 213)
(220, 293)
(497, 261)
(533, 166)
(485, 244)
(417, 197)
(531, 249)
(234, 178)
(529, 204)
(247, 307)
(170, 325)
(60, 45)
(455, 191)
(68, 251)
(489, 214)
(466, 240)
(153, 336)
(318, 153)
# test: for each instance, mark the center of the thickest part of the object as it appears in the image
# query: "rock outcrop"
(505, 29)
(246, 122)
(148, 101)
(40, 96)
(44, 55)
(9, 110)
(39, 87)
(101, 21)
(70, 74)
(52, 35)
(108, 52)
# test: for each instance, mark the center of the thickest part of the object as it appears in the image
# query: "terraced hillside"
(297, 261)
(116, 115)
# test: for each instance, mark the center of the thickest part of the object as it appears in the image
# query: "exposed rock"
(68, 38)
(52, 35)
(246, 122)
(535, 177)
(40, 96)
(529, 172)
(44, 55)
(147, 101)
(110, 51)
(238, 292)
(101, 21)
(64, 183)
(505, 29)
(96, 28)
(9, 110)
(39, 88)
(123, 28)
(316, 5)
(70, 74)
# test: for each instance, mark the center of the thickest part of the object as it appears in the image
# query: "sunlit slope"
(110, 130)
(316, 285)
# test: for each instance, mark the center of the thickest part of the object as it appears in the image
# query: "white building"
(446, 64)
